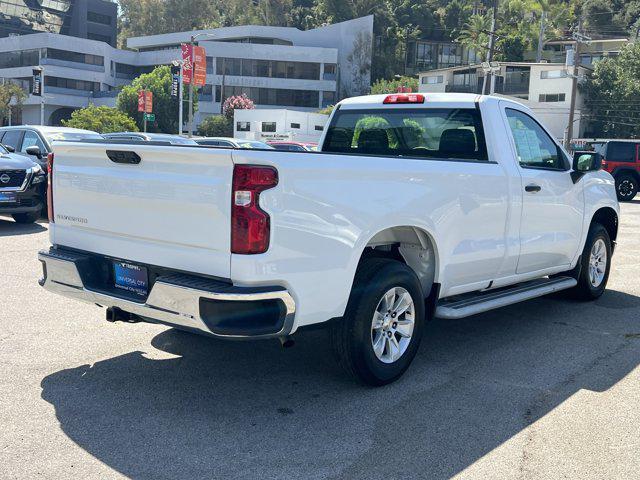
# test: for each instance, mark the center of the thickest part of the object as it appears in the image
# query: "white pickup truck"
(417, 206)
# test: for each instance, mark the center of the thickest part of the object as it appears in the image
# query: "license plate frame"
(131, 278)
(8, 197)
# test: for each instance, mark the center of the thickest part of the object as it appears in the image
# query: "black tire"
(352, 335)
(626, 187)
(26, 217)
(585, 290)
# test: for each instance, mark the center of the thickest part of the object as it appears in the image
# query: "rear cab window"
(439, 133)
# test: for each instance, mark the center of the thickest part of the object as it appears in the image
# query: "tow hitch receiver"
(114, 314)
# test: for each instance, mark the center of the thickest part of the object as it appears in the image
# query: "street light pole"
(41, 95)
(180, 100)
(192, 43)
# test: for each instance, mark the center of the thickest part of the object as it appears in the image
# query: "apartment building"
(544, 87)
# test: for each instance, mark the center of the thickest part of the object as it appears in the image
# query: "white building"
(275, 66)
(543, 87)
(279, 124)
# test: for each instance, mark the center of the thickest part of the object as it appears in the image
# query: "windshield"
(73, 136)
(425, 132)
(258, 145)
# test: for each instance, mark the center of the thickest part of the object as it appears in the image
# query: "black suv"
(22, 187)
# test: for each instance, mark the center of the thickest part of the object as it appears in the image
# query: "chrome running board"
(473, 303)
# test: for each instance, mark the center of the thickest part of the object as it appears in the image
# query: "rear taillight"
(404, 98)
(50, 187)
(250, 225)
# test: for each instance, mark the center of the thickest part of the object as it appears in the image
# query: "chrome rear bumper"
(174, 300)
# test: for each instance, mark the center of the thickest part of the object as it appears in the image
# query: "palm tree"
(474, 34)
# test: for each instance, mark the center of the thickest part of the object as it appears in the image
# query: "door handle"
(532, 188)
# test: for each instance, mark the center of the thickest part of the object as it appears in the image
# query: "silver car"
(150, 137)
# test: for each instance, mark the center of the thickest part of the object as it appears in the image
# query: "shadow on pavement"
(252, 410)
(9, 228)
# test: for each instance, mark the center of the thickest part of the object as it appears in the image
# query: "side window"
(31, 138)
(621, 152)
(12, 138)
(534, 147)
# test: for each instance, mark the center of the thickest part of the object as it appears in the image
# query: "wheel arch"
(411, 245)
(608, 218)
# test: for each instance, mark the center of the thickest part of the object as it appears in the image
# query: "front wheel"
(626, 188)
(379, 336)
(596, 264)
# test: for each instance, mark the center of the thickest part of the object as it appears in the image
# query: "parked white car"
(417, 206)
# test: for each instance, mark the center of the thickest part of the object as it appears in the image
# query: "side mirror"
(34, 150)
(584, 162)
(9, 148)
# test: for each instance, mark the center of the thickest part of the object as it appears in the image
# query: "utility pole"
(579, 39)
(491, 46)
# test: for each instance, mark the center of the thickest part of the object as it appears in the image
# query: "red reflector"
(404, 98)
(250, 225)
(50, 188)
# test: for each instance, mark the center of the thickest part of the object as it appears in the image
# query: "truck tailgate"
(172, 209)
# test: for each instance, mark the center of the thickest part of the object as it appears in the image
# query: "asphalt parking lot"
(546, 389)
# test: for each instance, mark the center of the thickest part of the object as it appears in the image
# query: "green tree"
(613, 95)
(165, 107)
(474, 34)
(101, 119)
(216, 126)
(392, 86)
(150, 17)
(10, 93)
(456, 14)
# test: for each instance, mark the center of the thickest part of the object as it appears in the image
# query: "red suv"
(620, 158)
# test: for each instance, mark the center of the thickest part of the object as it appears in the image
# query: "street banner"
(148, 101)
(187, 69)
(199, 66)
(175, 80)
(141, 101)
(37, 82)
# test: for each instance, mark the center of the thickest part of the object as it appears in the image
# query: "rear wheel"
(626, 187)
(596, 263)
(379, 336)
(26, 217)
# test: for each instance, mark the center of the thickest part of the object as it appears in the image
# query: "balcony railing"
(462, 88)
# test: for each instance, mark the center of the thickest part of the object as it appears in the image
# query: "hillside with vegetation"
(397, 22)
